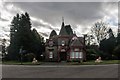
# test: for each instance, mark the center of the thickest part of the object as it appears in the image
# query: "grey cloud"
(38, 25)
(83, 13)
(62, 0)
(3, 19)
(44, 34)
(76, 12)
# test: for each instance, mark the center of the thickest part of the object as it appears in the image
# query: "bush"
(29, 57)
(91, 54)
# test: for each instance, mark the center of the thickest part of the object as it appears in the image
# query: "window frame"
(80, 54)
(50, 54)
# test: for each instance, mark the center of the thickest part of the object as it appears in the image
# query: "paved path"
(60, 71)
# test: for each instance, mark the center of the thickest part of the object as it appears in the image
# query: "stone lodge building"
(66, 46)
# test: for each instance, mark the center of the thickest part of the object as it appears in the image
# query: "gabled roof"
(81, 39)
(76, 42)
(53, 33)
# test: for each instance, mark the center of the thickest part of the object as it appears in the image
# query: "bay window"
(72, 55)
(76, 55)
(80, 54)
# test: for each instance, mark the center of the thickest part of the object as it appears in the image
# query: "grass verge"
(92, 62)
(19, 63)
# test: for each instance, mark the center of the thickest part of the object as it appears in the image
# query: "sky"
(46, 16)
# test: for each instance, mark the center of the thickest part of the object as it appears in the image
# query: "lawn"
(19, 63)
(91, 62)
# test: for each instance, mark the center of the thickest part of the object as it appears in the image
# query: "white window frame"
(76, 49)
(76, 54)
(80, 55)
(72, 55)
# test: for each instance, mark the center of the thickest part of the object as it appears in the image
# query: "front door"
(63, 56)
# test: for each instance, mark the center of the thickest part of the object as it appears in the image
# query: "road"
(60, 71)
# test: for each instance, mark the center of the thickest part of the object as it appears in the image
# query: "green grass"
(92, 62)
(19, 63)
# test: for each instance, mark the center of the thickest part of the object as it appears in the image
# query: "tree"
(108, 45)
(3, 49)
(117, 52)
(117, 47)
(110, 32)
(118, 39)
(89, 39)
(37, 44)
(99, 30)
(13, 48)
(21, 34)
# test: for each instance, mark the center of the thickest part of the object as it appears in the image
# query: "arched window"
(51, 55)
(63, 43)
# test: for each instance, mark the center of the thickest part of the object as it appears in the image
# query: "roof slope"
(63, 30)
(53, 33)
(69, 29)
(76, 42)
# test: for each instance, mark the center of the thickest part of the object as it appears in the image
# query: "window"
(76, 49)
(81, 55)
(76, 54)
(51, 55)
(72, 55)
(51, 43)
(63, 43)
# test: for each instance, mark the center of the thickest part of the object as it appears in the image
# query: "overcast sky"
(46, 16)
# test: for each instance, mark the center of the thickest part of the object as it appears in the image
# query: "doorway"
(63, 56)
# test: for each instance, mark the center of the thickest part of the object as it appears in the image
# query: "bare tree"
(99, 30)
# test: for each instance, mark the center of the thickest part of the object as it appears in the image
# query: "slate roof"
(81, 39)
(69, 36)
(54, 39)
(77, 42)
(63, 30)
(69, 29)
(53, 33)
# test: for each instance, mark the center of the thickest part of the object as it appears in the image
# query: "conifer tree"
(22, 35)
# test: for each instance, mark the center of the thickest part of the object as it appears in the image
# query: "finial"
(62, 19)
